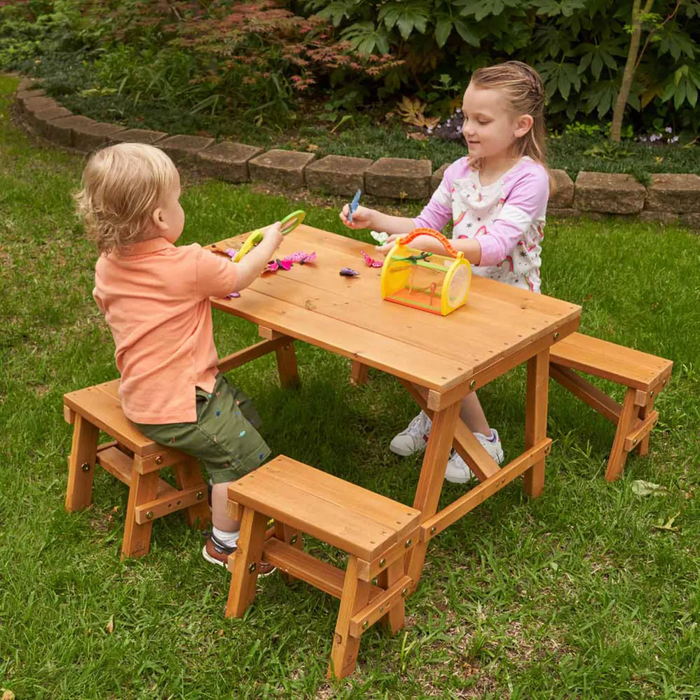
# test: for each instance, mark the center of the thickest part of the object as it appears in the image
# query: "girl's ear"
(158, 220)
(523, 124)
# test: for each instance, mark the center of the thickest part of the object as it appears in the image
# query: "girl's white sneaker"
(458, 472)
(414, 438)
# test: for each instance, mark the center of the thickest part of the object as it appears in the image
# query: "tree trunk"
(628, 74)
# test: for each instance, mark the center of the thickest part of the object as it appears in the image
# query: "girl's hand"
(389, 244)
(361, 218)
(272, 235)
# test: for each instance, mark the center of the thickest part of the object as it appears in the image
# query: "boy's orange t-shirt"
(155, 298)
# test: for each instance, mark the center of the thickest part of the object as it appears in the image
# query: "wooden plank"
(81, 464)
(367, 570)
(643, 447)
(116, 463)
(354, 598)
(246, 563)
(137, 536)
(68, 415)
(241, 357)
(163, 457)
(500, 365)
(431, 479)
(536, 418)
(100, 404)
(395, 516)
(343, 528)
(390, 599)
(287, 364)
(188, 474)
(370, 348)
(358, 374)
(610, 361)
(299, 564)
(434, 525)
(587, 392)
(170, 502)
(641, 432)
(618, 454)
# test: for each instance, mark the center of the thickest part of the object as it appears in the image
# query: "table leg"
(358, 376)
(431, 479)
(536, 418)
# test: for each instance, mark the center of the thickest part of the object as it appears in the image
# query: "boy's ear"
(158, 220)
(523, 124)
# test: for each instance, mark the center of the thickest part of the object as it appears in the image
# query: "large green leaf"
(365, 37)
(407, 16)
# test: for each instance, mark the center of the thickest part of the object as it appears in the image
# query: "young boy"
(155, 298)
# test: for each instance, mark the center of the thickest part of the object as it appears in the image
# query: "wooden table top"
(348, 316)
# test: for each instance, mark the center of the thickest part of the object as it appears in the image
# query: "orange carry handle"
(430, 232)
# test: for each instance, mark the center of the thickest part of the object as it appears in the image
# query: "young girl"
(496, 198)
(155, 298)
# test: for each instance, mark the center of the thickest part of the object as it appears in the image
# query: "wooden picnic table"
(438, 359)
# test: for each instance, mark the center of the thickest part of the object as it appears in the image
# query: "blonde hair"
(121, 188)
(523, 88)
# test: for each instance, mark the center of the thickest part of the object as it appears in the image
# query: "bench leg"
(618, 455)
(287, 365)
(345, 648)
(292, 537)
(246, 563)
(643, 447)
(536, 418)
(358, 375)
(187, 474)
(137, 538)
(395, 619)
(81, 464)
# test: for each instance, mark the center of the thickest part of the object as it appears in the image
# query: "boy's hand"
(361, 217)
(272, 235)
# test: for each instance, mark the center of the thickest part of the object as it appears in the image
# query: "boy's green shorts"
(224, 438)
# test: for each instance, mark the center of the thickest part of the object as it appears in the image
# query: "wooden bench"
(133, 459)
(644, 376)
(375, 531)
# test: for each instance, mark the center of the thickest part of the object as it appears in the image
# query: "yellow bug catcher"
(427, 281)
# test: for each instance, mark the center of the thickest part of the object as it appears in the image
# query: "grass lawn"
(573, 595)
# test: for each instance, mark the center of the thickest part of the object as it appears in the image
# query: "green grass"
(573, 595)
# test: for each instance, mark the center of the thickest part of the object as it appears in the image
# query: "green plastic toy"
(289, 223)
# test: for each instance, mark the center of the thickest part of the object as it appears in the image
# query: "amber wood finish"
(444, 357)
(536, 418)
(304, 499)
(137, 536)
(81, 464)
(644, 376)
(346, 647)
(358, 373)
(431, 479)
(133, 459)
(246, 355)
(246, 563)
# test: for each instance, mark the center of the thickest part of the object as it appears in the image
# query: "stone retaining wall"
(668, 199)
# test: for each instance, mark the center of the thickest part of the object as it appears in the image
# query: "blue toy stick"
(354, 204)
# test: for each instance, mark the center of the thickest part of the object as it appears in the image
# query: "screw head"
(159, 459)
(381, 610)
(433, 530)
(472, 383)
(149, 515)
(652, 392)
(409, 542)
(663, 383)
(404, 592)
(85, 467)
(252, 568)
(293, 539)
(382, 562)
(634, 442)
(556, 335)
(199, 495)
(365, 625)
